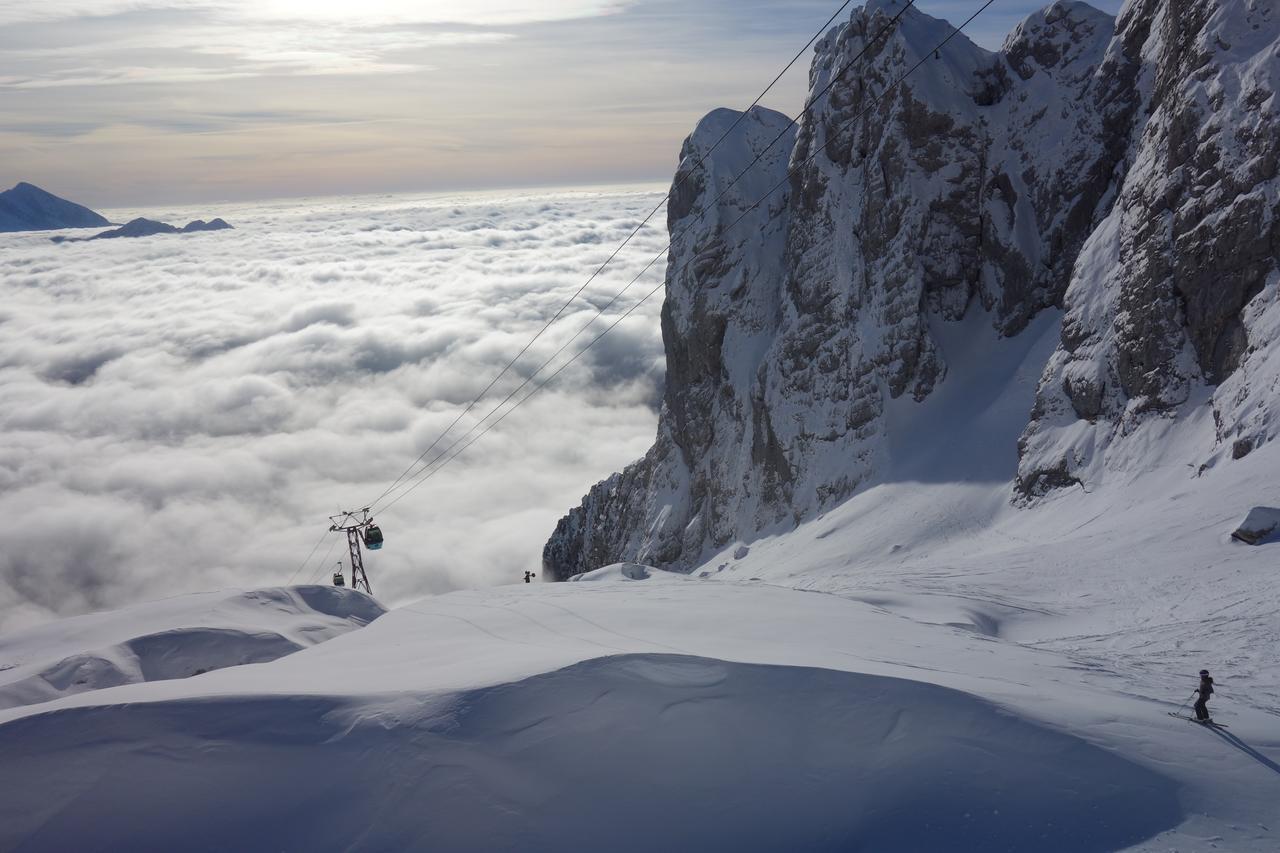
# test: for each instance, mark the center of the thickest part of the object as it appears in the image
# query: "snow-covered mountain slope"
(176, 638)
(1123, 171)
(671, 712)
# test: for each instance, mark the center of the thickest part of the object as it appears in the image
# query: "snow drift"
(623, 571)
(165, 640)
(622, 753)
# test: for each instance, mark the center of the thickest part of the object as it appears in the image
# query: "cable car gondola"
(372, 537)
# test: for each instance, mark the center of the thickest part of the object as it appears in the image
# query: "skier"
(1205, 690)
(529, 576)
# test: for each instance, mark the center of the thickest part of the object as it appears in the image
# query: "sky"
(126, 102)
(184, 413)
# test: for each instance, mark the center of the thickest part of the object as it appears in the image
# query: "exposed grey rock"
(1260, 523)
(1158, 305)
(1125, 174)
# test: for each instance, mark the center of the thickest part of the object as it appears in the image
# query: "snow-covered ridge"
(1124, 172)
(177, 638)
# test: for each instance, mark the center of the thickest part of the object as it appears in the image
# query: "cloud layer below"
(183, 412)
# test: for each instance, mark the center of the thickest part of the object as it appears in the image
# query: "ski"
(1211, 723)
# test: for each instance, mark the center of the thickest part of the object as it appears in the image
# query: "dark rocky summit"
(201, 225)
(1121, 172)
(141, 227)
(28, 208)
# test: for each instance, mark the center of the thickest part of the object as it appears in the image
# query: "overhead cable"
(507, 367)
(671, 241)
(786, 178)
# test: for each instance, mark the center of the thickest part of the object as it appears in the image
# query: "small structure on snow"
(1260, 523)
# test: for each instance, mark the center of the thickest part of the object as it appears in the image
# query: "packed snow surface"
(677, 713)
(629, 752)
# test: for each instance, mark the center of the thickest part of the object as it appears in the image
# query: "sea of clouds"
(183, 412)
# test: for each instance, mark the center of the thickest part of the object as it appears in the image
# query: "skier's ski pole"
(1186, 703)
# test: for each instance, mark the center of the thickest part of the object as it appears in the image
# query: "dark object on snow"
(28, 208)
(1257, 525)
(529, 576)
(1205, 690)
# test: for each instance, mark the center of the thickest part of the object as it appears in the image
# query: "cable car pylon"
(360, 530)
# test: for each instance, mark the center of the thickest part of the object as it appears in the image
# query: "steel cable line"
(724, 191)
(324, 561)
(507, 367)
(608, 260)
(786, 178)
(303, 564)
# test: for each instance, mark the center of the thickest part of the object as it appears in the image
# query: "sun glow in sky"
(124, 102)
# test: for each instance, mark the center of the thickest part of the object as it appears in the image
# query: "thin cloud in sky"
(110, 102)
(366, 12)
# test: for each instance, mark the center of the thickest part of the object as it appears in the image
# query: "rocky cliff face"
(1126, 173)
(1173, 299)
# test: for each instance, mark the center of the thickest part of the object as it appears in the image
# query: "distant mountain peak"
(27, 207)
(143, 227)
